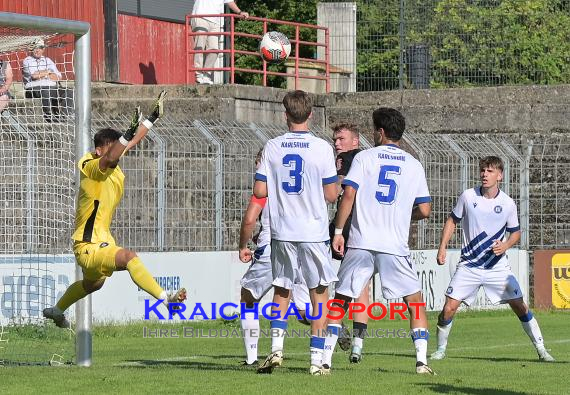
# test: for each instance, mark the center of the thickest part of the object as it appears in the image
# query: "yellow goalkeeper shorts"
(96, 259)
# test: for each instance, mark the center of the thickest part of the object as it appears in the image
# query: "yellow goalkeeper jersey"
(99, 195)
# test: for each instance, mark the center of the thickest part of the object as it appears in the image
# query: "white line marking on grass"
(286, 354)
(157, 361)
(547, 343)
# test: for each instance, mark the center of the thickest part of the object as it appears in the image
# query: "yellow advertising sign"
(561, 281)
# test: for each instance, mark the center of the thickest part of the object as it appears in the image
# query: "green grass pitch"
(488, 353)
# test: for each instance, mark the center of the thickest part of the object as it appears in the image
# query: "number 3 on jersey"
(296, 173)
(387, 183)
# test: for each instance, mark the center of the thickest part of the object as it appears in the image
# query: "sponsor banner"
(28, 283)
(31, 282)
(561, 281)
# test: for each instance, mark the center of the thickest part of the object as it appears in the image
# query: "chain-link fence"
(411, 44)
(188, 184)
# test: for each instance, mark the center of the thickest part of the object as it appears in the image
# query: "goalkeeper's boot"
(422, 368)
(438, 354)
(544, 356)
(58, 317)
(273, 360)
(355, 355)
(344, 341)
(178, 297)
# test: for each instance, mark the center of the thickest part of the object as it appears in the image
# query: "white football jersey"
(389, 182)
(205, 7)
(484, 221)
(295, 166)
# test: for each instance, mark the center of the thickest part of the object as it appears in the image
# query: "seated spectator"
(41, 78)
(5, 83)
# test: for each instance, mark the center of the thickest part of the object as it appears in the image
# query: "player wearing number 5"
(388, 187)
(298, 175)
(100, 191)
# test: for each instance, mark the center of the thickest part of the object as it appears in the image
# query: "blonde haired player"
(100, 191)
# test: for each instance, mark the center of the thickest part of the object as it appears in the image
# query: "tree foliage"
(471, 42)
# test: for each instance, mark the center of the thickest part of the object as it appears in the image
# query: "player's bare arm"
(500, 247)
(331, 192)
(448, 230)
(247, 226)
(421, 211)
(344, 210)
(260, 189)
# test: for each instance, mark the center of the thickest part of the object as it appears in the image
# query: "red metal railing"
(232, 34)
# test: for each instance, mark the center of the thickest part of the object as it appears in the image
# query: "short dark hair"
(298, 106)
(106, 136)
(491, 161)
(346, 125)
(391, 120)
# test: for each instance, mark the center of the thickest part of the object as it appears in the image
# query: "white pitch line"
(172, 359)
(194, 357)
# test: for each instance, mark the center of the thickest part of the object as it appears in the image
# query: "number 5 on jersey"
(387, 183)
(296, 163)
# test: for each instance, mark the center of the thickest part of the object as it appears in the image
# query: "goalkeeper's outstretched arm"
(133, 135)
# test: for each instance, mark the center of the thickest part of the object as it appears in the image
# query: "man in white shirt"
(40, 76)
(388, 188)
(298, 175)
(6, 77)
(209, 42)
(486, 215)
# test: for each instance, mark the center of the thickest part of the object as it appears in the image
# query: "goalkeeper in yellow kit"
(100, 191)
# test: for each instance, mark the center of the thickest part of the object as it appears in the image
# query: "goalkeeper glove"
(133, 127)
(158, 109)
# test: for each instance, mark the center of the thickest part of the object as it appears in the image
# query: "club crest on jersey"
(474, 204)
(449, 290)
(498, 209)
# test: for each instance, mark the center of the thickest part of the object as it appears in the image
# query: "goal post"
(80, 116)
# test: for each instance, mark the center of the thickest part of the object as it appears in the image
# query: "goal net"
(37, 191)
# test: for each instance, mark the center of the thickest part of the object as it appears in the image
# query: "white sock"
(359, 330)
(278, 329)
(358, 342)
(420, 337)
(330, 342)
(530, 326)
(164, 297)
(443, 330)
(316, 348)
(250, 328)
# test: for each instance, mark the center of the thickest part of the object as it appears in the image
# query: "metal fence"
(411, 44)
(188, 184)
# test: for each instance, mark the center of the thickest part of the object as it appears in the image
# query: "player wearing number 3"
(298, 175)
(100, 191)
(388, 187)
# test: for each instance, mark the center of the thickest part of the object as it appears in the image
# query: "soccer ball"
(274, 47)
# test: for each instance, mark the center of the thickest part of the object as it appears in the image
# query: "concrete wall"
(512, 109)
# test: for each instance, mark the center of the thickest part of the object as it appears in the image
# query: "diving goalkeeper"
(100, 191)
